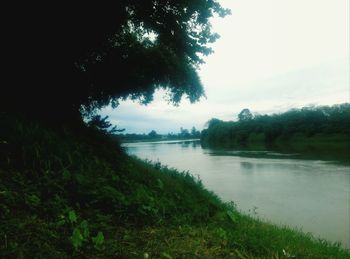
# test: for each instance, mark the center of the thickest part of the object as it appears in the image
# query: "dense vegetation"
(154, 136)
(73, 192)
(309, 124)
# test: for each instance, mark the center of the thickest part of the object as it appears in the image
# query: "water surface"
(312, 195)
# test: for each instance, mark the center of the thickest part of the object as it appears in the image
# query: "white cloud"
(272, 55)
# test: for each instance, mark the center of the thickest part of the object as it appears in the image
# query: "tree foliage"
(153, 134)
(103, 124)
(245, 115)
(85, 56)
(307, 121)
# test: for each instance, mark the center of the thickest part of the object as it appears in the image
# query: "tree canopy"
(308, 121)
(245, 115)
(90, 55)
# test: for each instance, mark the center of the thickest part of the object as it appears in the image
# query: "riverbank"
(329, 147)
(314, 129)
(75, 193)
(157, 140)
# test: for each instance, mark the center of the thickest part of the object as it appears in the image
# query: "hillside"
(72, 192)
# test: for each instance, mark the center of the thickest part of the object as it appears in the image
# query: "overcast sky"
(273, 55)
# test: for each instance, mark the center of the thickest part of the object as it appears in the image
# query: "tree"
(153, 134)
(213, 122)
(245, 115)
(78, 58)
(103, 124)
(184, 133)
(195, 133)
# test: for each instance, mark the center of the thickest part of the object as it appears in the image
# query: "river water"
(310, 195)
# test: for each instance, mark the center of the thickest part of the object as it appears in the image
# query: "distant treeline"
(153, 135)
(306, 123)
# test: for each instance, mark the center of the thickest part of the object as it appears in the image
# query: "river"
(310, 195)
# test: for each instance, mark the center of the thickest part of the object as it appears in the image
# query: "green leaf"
(84, 227)
(166, 255)
(98, 240)
(72, 216)
(239, 254)
(231, 215)
(77, 238)
(221, 233)
(160, 184)
(61, 222)
(79, 178)
(32, 200)
(66, 175)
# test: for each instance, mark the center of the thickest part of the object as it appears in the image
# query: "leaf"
(239, 254)
(66, 175)
(231, 215)
(32, 200)
(80, 178)
(84, 227)
(77, 238)
(221, 233)
(98, 240)
(167, 255)
(61, 222)
(72, 216)
(160, 184)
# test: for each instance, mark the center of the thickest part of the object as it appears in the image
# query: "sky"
(273, 55)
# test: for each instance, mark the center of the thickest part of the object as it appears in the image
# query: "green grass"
(74, 193)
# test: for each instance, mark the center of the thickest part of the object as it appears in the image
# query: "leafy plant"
(98, 240)
(72, 216)
(231, 216)
(77, 238)
(80, 234)
(32, 200)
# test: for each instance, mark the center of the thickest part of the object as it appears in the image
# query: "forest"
(313, 122)
(154, 136)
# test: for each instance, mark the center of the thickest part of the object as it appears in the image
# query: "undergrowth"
(73, 193)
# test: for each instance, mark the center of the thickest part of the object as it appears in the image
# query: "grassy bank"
(74, 193)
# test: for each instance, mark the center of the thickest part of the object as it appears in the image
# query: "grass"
(74, 193)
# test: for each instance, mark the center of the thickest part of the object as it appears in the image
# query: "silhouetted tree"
(213, 122)
(103, 124)
(184, 133)
(195, 133)
(78, 57)
(153, 134)
(245, 115)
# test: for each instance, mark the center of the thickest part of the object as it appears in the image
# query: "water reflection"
(325, 152)
(246, 166)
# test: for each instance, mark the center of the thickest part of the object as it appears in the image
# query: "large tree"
(90, 55)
